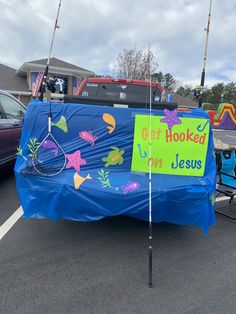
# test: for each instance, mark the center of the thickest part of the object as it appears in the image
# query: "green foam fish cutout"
(61, 124)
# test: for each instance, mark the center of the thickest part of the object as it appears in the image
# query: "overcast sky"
(93, 32)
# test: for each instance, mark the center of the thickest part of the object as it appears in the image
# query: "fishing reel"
(198, 90)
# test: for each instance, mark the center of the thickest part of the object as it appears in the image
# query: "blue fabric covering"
(176, 199)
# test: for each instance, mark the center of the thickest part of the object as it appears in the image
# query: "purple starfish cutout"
(171, 118)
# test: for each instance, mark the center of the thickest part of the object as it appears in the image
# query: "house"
(14, 84)
(20, 82)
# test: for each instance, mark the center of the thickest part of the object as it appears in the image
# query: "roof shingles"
(58, 63)
(15, 80)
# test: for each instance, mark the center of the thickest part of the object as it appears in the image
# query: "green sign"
(178, 149)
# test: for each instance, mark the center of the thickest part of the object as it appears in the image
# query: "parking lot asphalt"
(226, 136)
(101, 267)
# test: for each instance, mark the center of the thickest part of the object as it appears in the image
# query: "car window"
(12, 108)
(2, 116)
(127, 92)
(89, 90)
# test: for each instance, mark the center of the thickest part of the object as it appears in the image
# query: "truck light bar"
(121, 80)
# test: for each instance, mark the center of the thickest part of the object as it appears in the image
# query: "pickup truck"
(120, 93)
(12, 112)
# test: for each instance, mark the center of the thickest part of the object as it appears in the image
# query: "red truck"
(120, 93)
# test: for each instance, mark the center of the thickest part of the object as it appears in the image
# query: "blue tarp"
(111, 190)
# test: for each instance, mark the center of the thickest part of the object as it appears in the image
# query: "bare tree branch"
(135, 64)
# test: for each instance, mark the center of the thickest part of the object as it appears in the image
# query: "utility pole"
(207, 29)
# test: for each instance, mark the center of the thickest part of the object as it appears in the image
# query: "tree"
(135, 64)
(185, 91)
(230, 93)
(181, 91)
(216, 93)
(166, 80)
(169, 82)
(207, 95)
(158, 77)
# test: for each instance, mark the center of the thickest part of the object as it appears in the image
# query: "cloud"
(93, 32)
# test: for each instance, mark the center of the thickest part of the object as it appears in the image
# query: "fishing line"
(207, 29)
(150, 180)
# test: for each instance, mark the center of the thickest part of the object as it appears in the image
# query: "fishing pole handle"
(44, 82)
(150, 267)
(49, 119)
(49, 124)
(150, 255)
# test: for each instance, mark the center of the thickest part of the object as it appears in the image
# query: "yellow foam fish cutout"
(110, 120)
(78, 180)
(61, 124)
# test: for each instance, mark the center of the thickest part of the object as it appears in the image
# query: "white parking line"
(230, 136)
(10, 222)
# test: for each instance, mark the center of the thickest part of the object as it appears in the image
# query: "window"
(89, 90)
(11, 108)
(122, 92)
(128, 92)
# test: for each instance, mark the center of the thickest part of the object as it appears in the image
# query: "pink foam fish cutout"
(88, 137)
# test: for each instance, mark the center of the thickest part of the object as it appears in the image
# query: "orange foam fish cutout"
(110, 120)
(78, 180)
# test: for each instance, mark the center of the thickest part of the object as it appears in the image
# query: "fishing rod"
(150, 182)
(207, 29)
(45, 75)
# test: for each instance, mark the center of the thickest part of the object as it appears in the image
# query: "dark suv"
(12, 112)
